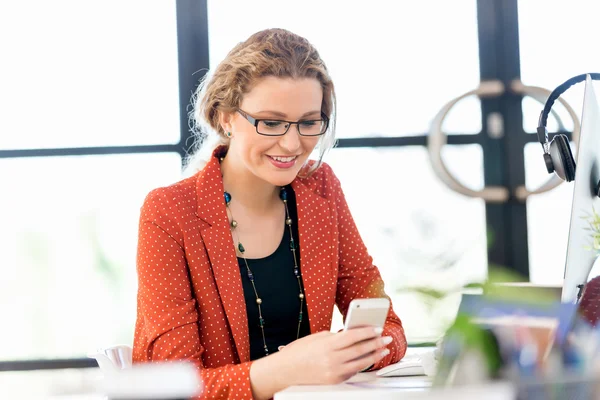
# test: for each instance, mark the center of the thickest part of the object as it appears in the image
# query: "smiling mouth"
(283, 159)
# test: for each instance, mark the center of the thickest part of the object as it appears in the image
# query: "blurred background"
(95, 96)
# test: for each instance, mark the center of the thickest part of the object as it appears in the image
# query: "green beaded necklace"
(242, 250)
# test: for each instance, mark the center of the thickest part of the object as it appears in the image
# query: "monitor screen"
(580, 255)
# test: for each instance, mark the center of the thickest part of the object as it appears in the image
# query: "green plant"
(593, 221)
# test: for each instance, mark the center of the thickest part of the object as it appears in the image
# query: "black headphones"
(557, 154)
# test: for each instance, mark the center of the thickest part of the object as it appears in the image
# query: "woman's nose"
(291, 141)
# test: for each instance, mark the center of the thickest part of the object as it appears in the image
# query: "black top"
(277, 286)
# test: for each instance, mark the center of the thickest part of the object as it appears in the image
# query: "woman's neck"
(247, 189)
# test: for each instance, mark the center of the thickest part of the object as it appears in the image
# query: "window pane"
(393, 70)
(419, 232)
(88, 73)
(69, 237)
(556, 43)
(548, 217)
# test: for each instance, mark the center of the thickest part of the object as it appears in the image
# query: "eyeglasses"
(274, 127)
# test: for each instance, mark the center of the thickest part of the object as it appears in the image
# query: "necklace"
(242, 250)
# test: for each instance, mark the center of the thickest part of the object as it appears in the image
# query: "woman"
(240, 265)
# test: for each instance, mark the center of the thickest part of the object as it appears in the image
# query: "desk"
(358, 386)
(148, 381)
(362, 386)
(63, 384)
(369, 386)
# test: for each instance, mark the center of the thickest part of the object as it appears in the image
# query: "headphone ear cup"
(562, 158)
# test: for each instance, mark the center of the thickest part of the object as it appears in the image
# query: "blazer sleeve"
(357, 276)
(167, 317)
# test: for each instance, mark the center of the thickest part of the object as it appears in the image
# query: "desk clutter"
(545, 350)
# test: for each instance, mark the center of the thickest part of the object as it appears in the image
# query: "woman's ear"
(225, 120)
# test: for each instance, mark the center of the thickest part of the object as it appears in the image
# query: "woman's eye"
(272, 124)
(308, 123)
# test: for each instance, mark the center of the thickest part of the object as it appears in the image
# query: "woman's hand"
(322, 358)
(331, 358)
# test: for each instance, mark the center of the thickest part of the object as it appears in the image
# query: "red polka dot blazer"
(190, 298)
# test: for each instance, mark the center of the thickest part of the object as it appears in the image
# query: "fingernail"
(378, 331)
(280, 347)
(385, 353)
(387, 340)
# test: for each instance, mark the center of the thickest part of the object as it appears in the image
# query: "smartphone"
(367, 312)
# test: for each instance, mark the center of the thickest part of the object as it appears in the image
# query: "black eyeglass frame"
(255, 122)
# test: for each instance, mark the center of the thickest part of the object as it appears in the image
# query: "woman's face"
(275, 159)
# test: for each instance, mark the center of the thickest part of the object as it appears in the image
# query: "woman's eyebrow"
(284, 115)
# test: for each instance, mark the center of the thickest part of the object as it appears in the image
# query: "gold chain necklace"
(242, 250)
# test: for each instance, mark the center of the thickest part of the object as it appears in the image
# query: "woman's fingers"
(350, 337)
(355, 366)
(364, 348)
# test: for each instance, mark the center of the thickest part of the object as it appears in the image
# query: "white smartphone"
(367, 312)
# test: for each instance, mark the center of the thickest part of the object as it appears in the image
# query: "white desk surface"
(369, 386)
(405, 388)
(357, 386)
(360, 386)
(63, 384)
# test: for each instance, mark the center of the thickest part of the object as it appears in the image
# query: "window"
(556, 44)
(389, 87)
(104, 74)
(420, 233)
(548, 216)
(69, 237)
(88, 74)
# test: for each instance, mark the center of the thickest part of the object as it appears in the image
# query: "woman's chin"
(281, 181)
(280, 178)
(279, 175)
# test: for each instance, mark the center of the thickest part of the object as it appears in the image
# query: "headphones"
(557, 154)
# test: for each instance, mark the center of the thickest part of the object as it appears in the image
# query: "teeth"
(284, 159)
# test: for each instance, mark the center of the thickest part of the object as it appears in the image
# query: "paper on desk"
(388, 383)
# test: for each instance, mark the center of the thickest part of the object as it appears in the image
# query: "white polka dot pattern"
(190, 297)
(590, 302)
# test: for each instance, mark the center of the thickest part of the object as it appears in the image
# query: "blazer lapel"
(221, 253)
(318, 254)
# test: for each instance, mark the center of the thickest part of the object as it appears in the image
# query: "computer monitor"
(580, 258)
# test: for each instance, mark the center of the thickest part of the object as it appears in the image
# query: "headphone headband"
(542, 132)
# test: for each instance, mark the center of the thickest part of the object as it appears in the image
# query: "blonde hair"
(272, 52)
